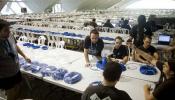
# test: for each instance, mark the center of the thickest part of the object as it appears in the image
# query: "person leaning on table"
(166, 89)
(106, 89)
(10, 75)
(93, 45)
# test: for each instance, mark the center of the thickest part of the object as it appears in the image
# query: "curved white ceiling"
(152, 4)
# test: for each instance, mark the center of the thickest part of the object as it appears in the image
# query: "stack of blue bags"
(46, 71)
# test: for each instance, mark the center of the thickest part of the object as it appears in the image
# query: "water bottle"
(104, 61)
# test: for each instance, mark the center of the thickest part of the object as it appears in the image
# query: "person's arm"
(125, 59)
(156, 56)
(86, 57)
(170, 48)
(148, 94)
(138, 58)
(158, 64)
(22, 54)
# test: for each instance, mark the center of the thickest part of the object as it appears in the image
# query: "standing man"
(10, 75)
(93, 45)
(139, 31)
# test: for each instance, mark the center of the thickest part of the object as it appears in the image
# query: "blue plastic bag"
(101, 64)
(26, 66)
(35, 68)
(44, 48)
(72, 77)
(48, 71)
(59, 74)
(148, 70)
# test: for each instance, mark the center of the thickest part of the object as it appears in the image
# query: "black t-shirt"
(94, 49)
(166, 90)
(120, 53)
(100, 92)
(138, 37)
(150, 50)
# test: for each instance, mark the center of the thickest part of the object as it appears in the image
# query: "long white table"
(131, 81)
(133, 86)
(82, 32)
(133, 70)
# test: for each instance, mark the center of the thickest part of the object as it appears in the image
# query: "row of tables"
(131, 81)
(82, 32)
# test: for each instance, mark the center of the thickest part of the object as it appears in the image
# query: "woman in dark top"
(166, 90)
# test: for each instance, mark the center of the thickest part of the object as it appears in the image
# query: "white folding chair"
(23, 38)
(105, 29)
(61, 44)
(50, 39)
(41, 40)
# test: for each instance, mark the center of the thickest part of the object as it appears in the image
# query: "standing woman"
(93, 45)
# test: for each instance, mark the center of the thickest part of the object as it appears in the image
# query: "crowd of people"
(140, 37)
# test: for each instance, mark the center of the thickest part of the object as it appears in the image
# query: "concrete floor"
(41, 90)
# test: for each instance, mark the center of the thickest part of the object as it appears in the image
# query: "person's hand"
(114, 60)
(153, 62)
(145, 62)
(122, 62)
(87, 64)
(147, 87)
(27, 59)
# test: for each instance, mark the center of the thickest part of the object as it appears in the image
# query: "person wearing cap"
(119, 51)
(10, 75)
(147, 48)
(106, 89)
(166, 89)
(93, 45)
